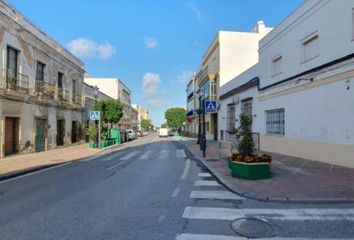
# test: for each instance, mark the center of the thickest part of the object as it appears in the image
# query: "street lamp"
(96, 121)
(199, 96)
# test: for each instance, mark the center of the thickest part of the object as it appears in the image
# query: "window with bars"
(231, 114)
(275, 121)
(246, 107)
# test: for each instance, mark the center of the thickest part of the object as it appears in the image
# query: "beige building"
(142, 114)
(229, 54)
(40, 88)
(116, 89)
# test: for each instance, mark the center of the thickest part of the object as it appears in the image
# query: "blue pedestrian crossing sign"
(95, 115)
(210, 106)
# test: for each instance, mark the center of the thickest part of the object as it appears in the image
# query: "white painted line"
(189, 236)
(204, 183)
(130, 155)
(186, 168)
(114, 156)
(180, 153)
(204, 174)
(161, 218)
(36, 172)
(146, 155)
(320, 214)
(224, 195)
(164, 154)
(175, 192)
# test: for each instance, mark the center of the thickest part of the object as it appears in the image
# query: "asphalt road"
(154, 189)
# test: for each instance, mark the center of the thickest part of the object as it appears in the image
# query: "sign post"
(96, 116)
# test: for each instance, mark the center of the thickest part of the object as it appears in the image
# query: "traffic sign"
(95, 115)
(210, 106)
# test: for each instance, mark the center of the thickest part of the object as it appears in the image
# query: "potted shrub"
(90, 131)
(246, 164)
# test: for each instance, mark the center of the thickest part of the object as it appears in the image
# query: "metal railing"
(63, 95)
(76, 99)
(17, 81)
(44, 89)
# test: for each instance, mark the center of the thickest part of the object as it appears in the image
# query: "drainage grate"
(252, 228)
(212, 160)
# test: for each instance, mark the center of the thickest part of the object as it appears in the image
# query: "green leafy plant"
(244, 134)
(175, 117)
(91, 133)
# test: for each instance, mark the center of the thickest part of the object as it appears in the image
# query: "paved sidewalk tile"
(292, 178)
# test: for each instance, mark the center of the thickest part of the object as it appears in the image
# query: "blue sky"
(152, 45)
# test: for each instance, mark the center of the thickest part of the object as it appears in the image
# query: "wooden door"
(74, 132)
(11, 135)
(60, 132)
(40, 135)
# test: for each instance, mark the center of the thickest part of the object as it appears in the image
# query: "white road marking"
(215, 195)
(130, 155)
(204, 183)
(180, 153)
(204, 174)
(161, 218)
(186, 168)
(175, 192)
(320, 214)
(114, 156)
(188, 236)
(146, 155)
(164, 154)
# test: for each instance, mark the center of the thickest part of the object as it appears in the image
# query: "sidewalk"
(21, 163)
(293, 179)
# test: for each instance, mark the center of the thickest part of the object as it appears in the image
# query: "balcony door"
(11, 68)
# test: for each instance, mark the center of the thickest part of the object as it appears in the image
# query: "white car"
(131, 135)
(163, 132)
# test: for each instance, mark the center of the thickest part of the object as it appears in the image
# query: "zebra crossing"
(212, 192)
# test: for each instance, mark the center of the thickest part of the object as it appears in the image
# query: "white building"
(304, 106)
(116, 89)
(229, 54)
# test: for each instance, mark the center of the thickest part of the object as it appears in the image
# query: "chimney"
(260, 28)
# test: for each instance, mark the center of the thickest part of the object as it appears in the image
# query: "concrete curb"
(105, 152)
(259, 197)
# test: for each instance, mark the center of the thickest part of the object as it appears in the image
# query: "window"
(246, 106)
(231, 113)
(40, 71)
(73, 86)
(277, 65)
(12, 62)
(310, 47)
(275, 121)
(60, 80)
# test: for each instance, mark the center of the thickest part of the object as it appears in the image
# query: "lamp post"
(203, 138)
(199, 116)
(96, 121)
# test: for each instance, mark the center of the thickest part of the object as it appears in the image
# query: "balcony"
(44, 90)
(76, 99)
(63, 95)
(17, 82)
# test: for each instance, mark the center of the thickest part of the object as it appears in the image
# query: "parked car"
(163, 132)
(139, 133)
(131, 135)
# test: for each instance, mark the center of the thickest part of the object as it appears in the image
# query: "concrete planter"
(249, 170)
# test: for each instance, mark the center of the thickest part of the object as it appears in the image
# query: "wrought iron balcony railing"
(17, 81)
(63, 95)
(76, 99)
(44, 89)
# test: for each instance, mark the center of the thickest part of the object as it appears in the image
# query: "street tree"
(175, 117)
(146, 124)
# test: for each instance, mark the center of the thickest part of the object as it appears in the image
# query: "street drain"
(212, 160)
(252, 228)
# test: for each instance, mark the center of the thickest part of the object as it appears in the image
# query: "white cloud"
(86, 48)
(184, 77)
(155, 102)
(151, 84)
(197, 12)
(150, 43)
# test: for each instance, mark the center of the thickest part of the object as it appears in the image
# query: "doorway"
(40, 135)
(60, 132)
(74, 132)
(11, 135)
